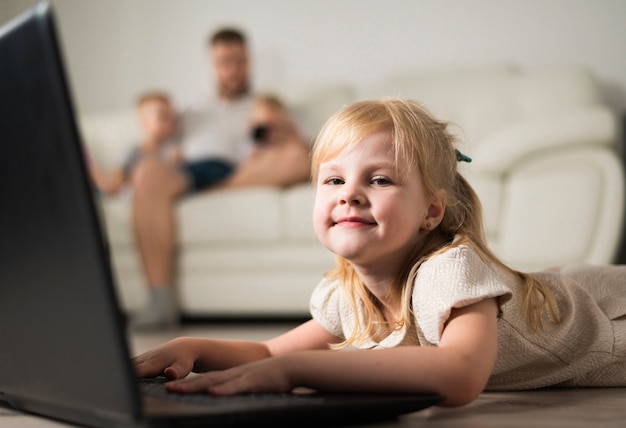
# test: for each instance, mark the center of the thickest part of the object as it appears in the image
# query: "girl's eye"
(381, 181)
(334, 181)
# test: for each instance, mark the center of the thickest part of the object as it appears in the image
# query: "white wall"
(117, 48)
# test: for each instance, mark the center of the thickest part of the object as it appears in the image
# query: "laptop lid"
(63, 347)
(58, 332)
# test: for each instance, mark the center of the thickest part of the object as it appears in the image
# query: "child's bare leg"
(157, 186)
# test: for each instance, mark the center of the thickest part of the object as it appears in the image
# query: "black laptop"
(63, 345)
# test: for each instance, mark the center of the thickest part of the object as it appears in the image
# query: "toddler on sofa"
(280, 155)
(156, 117)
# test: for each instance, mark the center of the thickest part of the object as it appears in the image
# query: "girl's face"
(366, 210)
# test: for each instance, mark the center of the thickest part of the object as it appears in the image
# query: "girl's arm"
(179, 357)
(457, 369)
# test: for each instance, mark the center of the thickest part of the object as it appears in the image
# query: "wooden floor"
(571, 408)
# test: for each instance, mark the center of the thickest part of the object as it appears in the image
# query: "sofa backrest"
(312, 104)
(108, 136)
(477, 99)
(483, 100)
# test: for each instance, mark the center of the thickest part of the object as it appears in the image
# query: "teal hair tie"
(460, 157)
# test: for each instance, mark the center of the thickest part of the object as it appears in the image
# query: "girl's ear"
(436, 210)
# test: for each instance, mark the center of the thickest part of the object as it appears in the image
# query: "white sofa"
(545, 164)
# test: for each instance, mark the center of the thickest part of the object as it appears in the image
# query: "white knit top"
(588, 347)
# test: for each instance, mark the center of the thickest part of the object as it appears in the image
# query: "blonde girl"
(417, 302)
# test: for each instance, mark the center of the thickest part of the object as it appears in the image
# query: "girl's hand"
(174, 360)
(268, 375)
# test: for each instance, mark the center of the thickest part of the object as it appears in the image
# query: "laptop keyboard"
(156, 388)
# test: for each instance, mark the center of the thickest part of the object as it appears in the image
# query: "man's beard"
(240, 90)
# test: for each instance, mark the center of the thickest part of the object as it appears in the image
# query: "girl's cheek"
(321, 213)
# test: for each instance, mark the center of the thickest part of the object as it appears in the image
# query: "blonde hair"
(270, 101)
(152, 95)
(424, 143)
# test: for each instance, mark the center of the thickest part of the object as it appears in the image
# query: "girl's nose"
(351, 196)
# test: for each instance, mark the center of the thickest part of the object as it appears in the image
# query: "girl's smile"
(353, 222)
(370, 209)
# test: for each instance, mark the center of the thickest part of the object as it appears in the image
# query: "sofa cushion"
(240, 215)
(254, 214)
(298, 205)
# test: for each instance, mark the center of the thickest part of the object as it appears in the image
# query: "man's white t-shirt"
(216, 128)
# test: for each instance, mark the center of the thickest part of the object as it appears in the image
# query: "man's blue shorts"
(206, 173)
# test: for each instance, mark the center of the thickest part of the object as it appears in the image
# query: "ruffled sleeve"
(454, 279)
(325, 306)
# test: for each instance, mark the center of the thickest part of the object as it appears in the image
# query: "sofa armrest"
(563, 206)
(595, 125)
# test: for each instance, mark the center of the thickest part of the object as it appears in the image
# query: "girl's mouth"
(353, 221)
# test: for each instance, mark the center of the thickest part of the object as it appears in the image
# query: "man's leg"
(156, 187)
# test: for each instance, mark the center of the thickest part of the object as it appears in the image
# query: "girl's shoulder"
(456, 255)
(461, 265)
(455, 278)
